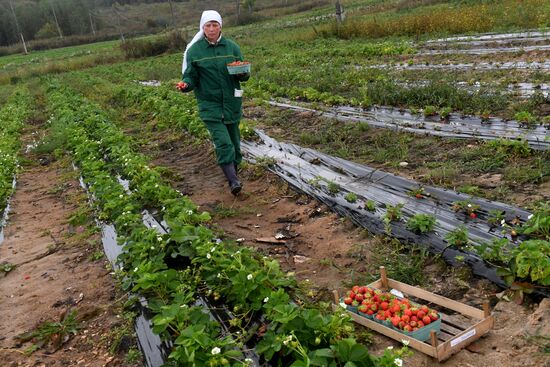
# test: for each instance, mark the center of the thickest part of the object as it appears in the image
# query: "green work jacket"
(214, 87)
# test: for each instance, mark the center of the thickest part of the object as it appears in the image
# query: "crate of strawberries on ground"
(430, 323)
(392, 311)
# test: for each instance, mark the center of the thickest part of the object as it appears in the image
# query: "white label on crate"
(461, 338)
(397, 293)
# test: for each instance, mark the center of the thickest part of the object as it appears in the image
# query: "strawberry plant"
(429, 111)
(370, 205)
(417, 192)
(12, 117)
(538, 224)
(421, 223)
(457, 237)
(466, 207)
(525, 119)
(351, 197)
(393, 213)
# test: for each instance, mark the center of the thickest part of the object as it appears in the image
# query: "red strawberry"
(407, 328)
(418, 196)
(433, 315)
(421, 314)
(351, 294)
(362, 309)
(395, 321)
(405, 318)
(407, 312)
(413, 324)
(355, 289)
(384, 306)
(348, 301)
(420, 324)
(426, 320)
(362, 290)
(395, 308)
(359, 297)
(473, 215)
(414, 318)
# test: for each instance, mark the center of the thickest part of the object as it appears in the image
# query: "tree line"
(39, 19)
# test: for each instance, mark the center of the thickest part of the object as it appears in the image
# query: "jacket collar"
(220, 41)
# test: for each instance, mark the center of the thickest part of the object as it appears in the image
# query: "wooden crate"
(456, 331)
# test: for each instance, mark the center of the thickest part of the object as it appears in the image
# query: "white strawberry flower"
(398, 362)
(216, 350)
(249, 277)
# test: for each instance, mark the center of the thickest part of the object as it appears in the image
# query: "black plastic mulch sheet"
(311, 172)
(507, 65)
(455, 127)
(530, 36)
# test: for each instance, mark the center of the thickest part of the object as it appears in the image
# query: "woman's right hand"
(181, 86)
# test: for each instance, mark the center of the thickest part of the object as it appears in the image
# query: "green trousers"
(227, 140)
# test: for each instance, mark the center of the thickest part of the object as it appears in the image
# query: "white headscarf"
(207, 16)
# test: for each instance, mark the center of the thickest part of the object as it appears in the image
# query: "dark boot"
(231, 175)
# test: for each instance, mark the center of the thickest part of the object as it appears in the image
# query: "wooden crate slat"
(444, 336)
(437, 299)
(451, 329)
(469, 335)
(456, 322)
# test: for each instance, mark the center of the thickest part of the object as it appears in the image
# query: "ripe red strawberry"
(362, 290)
(426, 320)
(407, 312)
(395, 321)
(418, 196)
(407, 328)
(414, 318)
(405, 318)
(370, 312)
(433, 315)
(424, 308)
(473, 215)
(395, 308)
(421, 314)
(414, 310)
(384, 306)
(362, 309)
(420, 324)
(359, 297)
(348, 300)
(355, 289)
(413, 324)
(351, 294)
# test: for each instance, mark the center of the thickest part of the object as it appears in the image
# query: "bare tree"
(17, 27)
(56, 22)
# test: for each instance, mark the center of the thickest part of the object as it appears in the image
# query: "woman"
(218, 93)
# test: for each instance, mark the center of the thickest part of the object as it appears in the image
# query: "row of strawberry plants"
(248, 284)
(12, 119)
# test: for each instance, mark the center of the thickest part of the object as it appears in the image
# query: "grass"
(403, 262)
